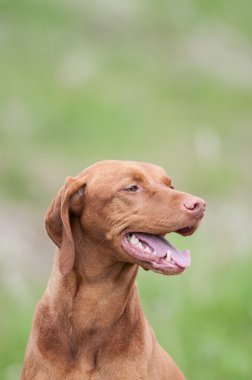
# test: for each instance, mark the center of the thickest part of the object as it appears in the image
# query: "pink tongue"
(161, 246)
(182, 258)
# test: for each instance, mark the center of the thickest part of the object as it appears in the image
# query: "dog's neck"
(100, 294)
(104, 289)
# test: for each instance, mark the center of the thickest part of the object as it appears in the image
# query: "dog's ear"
(69, 201)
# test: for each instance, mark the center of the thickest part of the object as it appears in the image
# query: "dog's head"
(127, 207)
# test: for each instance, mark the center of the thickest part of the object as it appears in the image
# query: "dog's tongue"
(162, 246)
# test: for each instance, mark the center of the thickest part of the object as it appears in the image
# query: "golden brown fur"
(89, 324)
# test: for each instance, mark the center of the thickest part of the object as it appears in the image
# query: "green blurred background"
(168, 82)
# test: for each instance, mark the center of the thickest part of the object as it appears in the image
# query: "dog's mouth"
(156, 253)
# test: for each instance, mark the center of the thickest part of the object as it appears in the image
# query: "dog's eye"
(132, 189)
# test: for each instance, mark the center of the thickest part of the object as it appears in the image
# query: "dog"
(106, 222)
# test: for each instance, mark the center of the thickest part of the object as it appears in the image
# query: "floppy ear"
(69, 200)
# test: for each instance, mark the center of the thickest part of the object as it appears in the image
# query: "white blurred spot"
(108, 9)
(221, 51)
(207, 144)
(76, 69)
(16, 115)
(124, 8)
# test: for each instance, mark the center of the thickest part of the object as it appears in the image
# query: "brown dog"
(107, 221)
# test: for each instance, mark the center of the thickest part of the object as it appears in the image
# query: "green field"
(164, 82)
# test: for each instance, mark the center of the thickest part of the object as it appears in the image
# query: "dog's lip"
(172, 262)
(186, 231)
(163, 269)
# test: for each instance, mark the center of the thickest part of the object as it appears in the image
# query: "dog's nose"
(195, 206)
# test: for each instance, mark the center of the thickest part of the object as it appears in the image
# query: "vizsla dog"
(106, 222)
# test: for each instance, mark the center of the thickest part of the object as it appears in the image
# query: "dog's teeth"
(147, 249)
(168, 257)
(140, 245)
(155, 253)
(134, 240)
